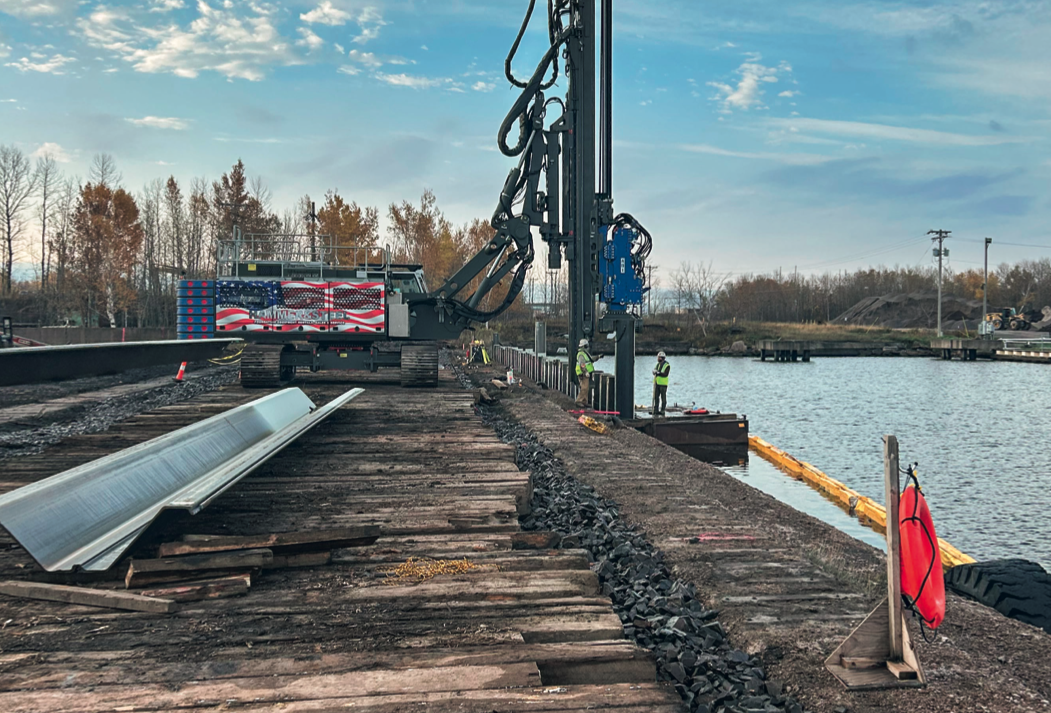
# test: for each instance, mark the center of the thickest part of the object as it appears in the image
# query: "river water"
(979, 431)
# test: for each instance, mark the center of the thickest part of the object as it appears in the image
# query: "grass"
(676, 330)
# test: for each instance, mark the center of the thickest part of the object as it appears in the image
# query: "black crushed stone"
(659, 612)
(101, 416)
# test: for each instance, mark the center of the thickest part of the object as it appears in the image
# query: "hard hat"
(583, 343)
(660, 355)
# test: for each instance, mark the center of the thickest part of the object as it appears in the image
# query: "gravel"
(101, 416)
(659, 612)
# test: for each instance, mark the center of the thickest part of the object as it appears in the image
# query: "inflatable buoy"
(922, 582)
(697, 412)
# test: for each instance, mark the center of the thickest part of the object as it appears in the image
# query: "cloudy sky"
(755, 134)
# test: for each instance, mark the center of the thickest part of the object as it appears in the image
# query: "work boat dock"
(419, 550)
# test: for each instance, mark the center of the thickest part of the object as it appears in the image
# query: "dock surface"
(790, 588)
(513, 630)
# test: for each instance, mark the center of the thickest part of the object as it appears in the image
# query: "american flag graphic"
(276, 306)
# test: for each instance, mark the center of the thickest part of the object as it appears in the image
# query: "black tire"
(1016, 588)
(419, 365)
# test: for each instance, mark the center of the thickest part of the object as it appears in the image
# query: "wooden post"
(892, 492)
(878, 654)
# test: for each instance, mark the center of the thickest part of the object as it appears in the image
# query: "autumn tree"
(235, 202)
(17, 183)
(348, 224)
(423, 236)
(107, 237)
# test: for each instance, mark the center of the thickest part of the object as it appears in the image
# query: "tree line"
(792, 297)
(112, 257)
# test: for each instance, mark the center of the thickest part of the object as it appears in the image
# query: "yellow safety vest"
(661, 377)
(589, 366)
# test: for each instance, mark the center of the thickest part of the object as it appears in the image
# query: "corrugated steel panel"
(87, 517)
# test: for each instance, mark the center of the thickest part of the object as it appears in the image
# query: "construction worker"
(660, 385)
(585, 367)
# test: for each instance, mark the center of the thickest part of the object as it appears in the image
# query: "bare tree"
(697, 290)
(104, 171)
(17, 183)
(48, 178)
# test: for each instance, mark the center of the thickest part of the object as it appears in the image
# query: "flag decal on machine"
(285, 306)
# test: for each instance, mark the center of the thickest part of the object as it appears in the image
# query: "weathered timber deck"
(789, 587)
(522, 630)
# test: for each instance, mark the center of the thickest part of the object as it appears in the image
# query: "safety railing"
(557, 373)
(298, 249)
(1029, 345)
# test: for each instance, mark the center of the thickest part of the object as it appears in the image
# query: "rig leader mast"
(605, 252)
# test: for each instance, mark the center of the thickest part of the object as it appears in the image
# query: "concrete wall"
(92, 335)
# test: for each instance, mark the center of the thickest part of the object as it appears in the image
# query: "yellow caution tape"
(596, 426)
(866, 509)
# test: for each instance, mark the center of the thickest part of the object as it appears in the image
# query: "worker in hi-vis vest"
(660, 385)
(585, 367)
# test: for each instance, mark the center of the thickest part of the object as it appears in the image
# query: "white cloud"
(370, 21)
(50, 66)
(425, 48)
(53, 150)
(788, 94)
(748, 94)
(368, 59)
(798, 159)
(349, 69)
(407, 80)
(892, 133)
(36, 9)
(309, 40)
(161, 122)
(230, 40)
(326, 14)
(339, 48)
(167, 5)
(483, 86)
(8, 101)
(5, 50)
(163, 163)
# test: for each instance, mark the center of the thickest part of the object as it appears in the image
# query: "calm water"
(979, 430)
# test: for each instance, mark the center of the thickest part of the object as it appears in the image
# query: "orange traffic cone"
(182, 372)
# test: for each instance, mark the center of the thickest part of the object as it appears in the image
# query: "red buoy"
(921, 561)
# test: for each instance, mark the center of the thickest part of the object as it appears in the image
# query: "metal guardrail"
(27, 365)
(89, 516)
(1036, 345)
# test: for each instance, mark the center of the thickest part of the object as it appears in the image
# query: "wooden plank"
(280, 543)
(150, 571)
(89, 597)
(234, 692)
(205, 589)
(53, 669)
(892, 490)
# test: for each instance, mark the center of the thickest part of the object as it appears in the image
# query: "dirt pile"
(914, 310)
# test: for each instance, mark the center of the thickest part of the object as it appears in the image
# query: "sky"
(755, 135)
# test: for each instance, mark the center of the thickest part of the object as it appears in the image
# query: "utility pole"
(940, 252)
(985, 287)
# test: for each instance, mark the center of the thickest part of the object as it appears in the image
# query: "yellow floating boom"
(864, 507)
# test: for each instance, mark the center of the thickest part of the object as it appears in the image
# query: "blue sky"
(754, 134)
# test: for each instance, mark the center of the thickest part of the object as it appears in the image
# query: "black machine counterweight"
(341, 307)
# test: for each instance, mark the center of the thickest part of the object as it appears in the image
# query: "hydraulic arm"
(552, 192)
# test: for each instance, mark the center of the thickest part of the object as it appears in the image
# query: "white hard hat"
(661, 355)
(583, 343)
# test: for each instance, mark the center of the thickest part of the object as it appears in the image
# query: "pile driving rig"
(350, 307)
